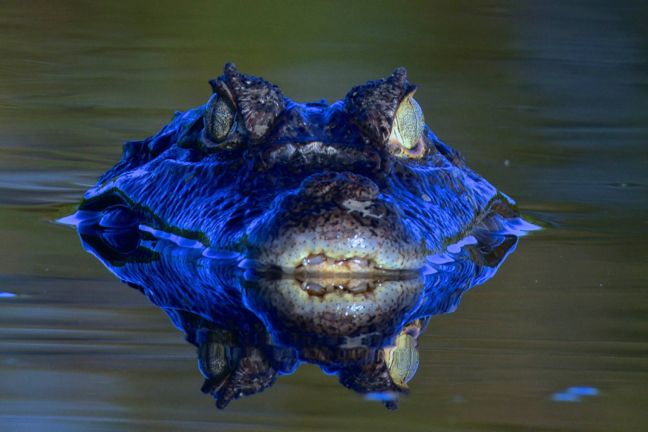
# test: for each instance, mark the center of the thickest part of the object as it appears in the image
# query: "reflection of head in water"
(251, 328)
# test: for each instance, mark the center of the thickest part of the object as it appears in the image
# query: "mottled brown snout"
(336, 222)
(339, 186)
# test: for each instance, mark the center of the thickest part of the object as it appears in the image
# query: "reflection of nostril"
(341, 186)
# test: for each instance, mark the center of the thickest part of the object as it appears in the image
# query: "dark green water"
(547, 100)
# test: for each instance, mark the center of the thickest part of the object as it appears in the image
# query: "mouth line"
(320, 287)
(320, 275)
(354, 284)
(320, 266)
(323, 265)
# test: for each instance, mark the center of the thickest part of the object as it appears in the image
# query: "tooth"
(361, 262)
(315, 288)
(361, 287)
(314, 260)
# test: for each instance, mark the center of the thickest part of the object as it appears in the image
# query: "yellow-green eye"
(408, 126)
(219, 117)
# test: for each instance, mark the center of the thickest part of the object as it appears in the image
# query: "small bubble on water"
(583, 391)
(574, 394)
(565, 397)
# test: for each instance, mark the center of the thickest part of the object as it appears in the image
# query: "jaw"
(323, 264)
(324, 293)
(336, 251)
(330, 266)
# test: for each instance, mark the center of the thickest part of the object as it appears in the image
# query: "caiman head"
(334, 221)
(360, 186)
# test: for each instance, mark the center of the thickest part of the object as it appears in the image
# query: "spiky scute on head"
(258, 101)
(373, 105)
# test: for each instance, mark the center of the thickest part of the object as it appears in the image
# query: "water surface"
(547, 100)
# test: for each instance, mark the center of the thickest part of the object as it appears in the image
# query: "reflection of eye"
(402, 360)
(218, 118)
(408, 127)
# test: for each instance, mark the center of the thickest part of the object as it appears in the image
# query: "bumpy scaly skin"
(374, 104)
(258, 101)
(339, 215)
(296, 180)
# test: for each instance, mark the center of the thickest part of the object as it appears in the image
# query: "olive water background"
(548, 100)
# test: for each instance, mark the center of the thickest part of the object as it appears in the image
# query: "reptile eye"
(218, 118)
(407, 128)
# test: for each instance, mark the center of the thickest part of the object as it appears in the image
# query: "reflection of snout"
(289, 307)
(335, 222)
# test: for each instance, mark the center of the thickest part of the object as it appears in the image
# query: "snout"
(335, 223)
